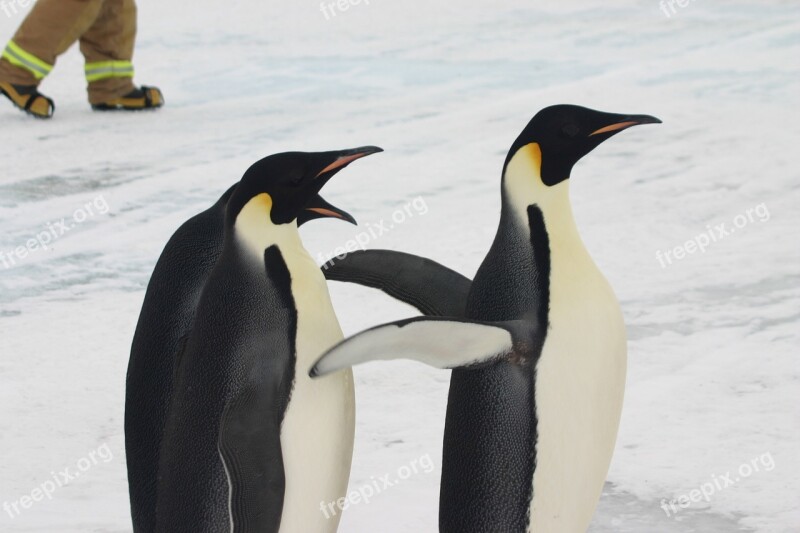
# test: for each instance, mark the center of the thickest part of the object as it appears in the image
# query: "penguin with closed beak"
(530, 431)
(250, 443)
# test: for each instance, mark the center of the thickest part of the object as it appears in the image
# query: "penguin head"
(287, 185)
(566, 133)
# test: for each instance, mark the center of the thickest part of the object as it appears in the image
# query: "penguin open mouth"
(317, 207)
(348, 157)
(340, 163)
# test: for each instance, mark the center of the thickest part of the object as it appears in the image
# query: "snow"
(445, 88)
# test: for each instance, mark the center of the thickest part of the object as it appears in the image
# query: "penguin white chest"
(580, 376)
(580, 381)
(319, 424)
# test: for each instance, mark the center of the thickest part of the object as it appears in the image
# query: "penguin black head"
(566, 133)
(290, 182)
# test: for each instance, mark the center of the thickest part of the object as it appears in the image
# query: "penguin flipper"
(427, 285)
(441, 342)
(250, 448)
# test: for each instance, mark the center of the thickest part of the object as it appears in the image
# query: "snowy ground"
(444, 87)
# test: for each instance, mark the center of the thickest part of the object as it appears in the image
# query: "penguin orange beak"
(319, 208)
(348, 156)
(625, 122)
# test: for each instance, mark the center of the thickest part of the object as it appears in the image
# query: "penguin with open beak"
(165, 321)
(250, 442)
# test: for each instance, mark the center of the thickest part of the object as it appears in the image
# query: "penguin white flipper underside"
(250, 449)
(432, 288)
(441, 342)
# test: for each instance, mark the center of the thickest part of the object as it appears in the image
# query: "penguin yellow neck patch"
(533, 153)
(524, 187)
(523, 177)
(263, 201)
(255, 229)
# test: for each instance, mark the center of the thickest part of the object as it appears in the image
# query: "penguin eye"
(570, 130)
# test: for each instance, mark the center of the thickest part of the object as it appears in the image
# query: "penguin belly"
(319, 424)
(579, 386)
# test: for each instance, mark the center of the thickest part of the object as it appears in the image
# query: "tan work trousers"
(106, 30)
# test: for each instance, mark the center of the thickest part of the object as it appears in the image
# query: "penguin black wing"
(441, 342)
(250, 426)
(250, 449)
(221, 458)
(165, 320)
(427, 285)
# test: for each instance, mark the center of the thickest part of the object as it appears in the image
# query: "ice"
(445, 88)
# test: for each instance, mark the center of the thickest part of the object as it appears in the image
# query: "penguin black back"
(166, 318)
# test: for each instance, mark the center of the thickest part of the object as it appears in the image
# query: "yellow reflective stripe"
(20, 58)
(108, 69)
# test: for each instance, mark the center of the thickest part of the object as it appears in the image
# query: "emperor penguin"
(250, 443)
(531, 426)
(164, 322)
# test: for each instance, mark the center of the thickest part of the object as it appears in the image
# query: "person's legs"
(108, 48)
(49, 29)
